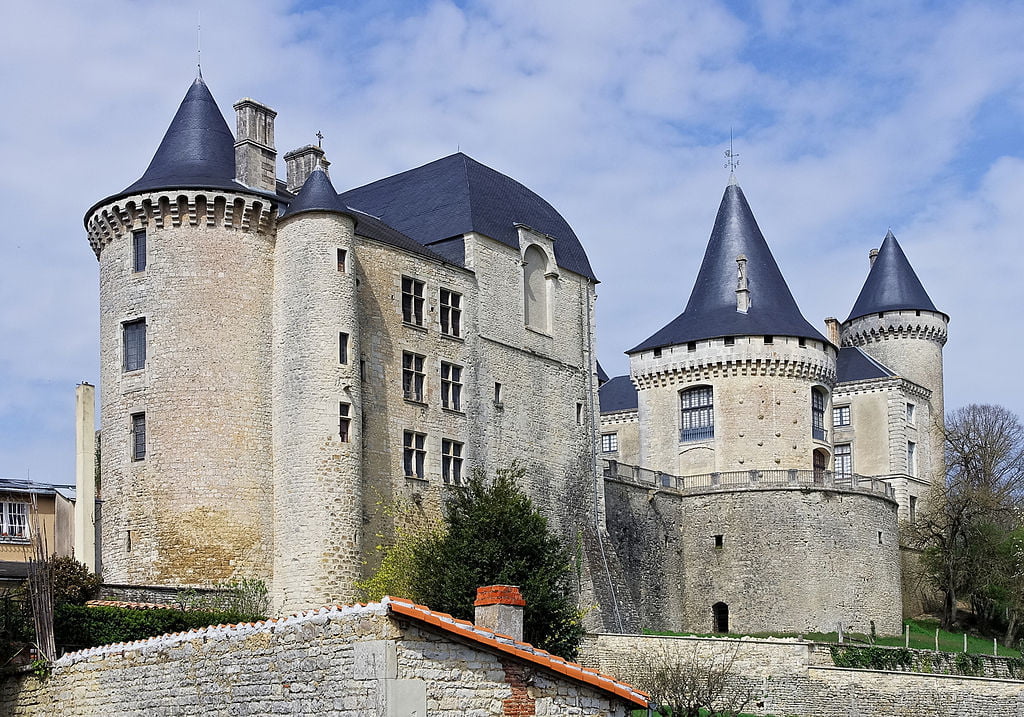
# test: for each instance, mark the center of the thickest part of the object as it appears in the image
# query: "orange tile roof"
(521, 650)
(134, 605)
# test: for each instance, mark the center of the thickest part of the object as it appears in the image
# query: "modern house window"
(342, 260)
(451, 461)
(414, 454)
(840, 416)
(844, 460)
(910, 413)
(451, 313)
(697, 414)
(451, 386)
(134, 336)
(412, 301)
(139, 250)
(13, 520)
(911, 458)
(342, 348)
(412, 376)
(609, 442)
(138, 436)
(818, 414)
(344, 421)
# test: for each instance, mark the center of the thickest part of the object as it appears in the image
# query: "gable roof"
(853, 364)
(711, 310)
(618, 394)
(891, 284)
(455, 195)
(523, 651)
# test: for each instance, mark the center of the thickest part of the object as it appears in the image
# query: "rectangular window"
(840, 416)
(412, 376)
(14, 520)
(579, 414)
(342, 348)
(451, 461)
(691, 346)
(342, 259)
(719, 542)
(451, 386)
(139, 250)
(344, 420)
(138, 436)
(844, 460)
(697, 414)
(910, 413)
(913, 509)
(412, 301)
(451, 313)
(609, 442)
(769, 339)
(134, 335)
(414, 454)
(911, 458)
(498, 396)
(818, 414)
(729, 340)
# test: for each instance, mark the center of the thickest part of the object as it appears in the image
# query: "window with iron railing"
(818, 414)
(697, 414)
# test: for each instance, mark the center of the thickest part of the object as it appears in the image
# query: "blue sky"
(850, 118)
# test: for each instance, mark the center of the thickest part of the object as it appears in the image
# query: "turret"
(739, 380)
(895, 322)
(185, 284)
(317, 401)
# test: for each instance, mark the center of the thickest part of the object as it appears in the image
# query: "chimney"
(300, 163)
(832, 329)
(85, 475)
(500, 608)
(742, 291)
(872, 255)
(255, 156)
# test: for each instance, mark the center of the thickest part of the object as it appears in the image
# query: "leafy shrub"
(78, 626)
(73, 584)
(246, 598)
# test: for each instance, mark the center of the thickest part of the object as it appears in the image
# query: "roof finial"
(731, 160)
(319, 139)
(199, 42)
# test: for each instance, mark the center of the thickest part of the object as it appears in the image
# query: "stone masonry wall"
(791, 559)
(194, 511)
(791, 679)
(348, 662)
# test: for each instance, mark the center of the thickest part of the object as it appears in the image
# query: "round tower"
(895, 322)
(739, 381)
(317, 402)
(185, 257)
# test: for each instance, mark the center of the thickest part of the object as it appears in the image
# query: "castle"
(280, 360)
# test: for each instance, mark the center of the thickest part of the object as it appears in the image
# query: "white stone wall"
(626, 426)
(197, 506)
(318, 487)
(348, 662)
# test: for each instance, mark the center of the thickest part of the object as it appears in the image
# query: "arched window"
(818, 414)
(720, 614)
(535, 287)
(697, 414)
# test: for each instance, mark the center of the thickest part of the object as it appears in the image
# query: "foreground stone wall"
(791, 679)
(350, 662)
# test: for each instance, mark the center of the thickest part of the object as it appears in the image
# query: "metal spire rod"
(199, 42)
(731, 158)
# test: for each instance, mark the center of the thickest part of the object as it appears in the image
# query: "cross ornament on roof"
(319, 139)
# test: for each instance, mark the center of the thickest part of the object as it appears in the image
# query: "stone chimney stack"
(500, 608)
(255, 156)
(832, 329)
(872, 255)
(85, 475)
(301, 162)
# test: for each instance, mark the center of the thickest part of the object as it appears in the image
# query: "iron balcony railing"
(734, 480)
(818, 434)
(701, 433)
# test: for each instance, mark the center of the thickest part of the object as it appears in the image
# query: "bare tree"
(684, 683)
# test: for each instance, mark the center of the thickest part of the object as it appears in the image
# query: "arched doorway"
(720, 613)
(820, 465)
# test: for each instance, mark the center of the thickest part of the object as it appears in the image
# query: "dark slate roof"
(456, 194)
(711, 310)
(618, 394)
(317, 194)
(21, 485)
(852, 364)
(374, 228)
(197, 151)
(602, 376)
(891, 284)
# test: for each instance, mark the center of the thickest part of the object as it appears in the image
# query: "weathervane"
(731, 158)
(199, 41)
(319, 139)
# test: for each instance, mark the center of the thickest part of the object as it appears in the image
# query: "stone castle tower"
(281, 361)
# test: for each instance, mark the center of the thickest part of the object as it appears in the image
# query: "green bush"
(72, 582)
(78, 626)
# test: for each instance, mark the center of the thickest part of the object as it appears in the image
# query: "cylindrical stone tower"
(186, 277)
(317, 402)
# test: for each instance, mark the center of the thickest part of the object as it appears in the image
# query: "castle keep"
(281, 359)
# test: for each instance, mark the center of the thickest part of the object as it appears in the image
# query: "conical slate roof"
(197, 151)
(891, 285)
(317, 194)
(711, 310)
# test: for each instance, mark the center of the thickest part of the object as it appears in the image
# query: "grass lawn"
(922, 637)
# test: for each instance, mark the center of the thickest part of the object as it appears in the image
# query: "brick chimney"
(255, 156)
(832, 329)
(500, 608)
